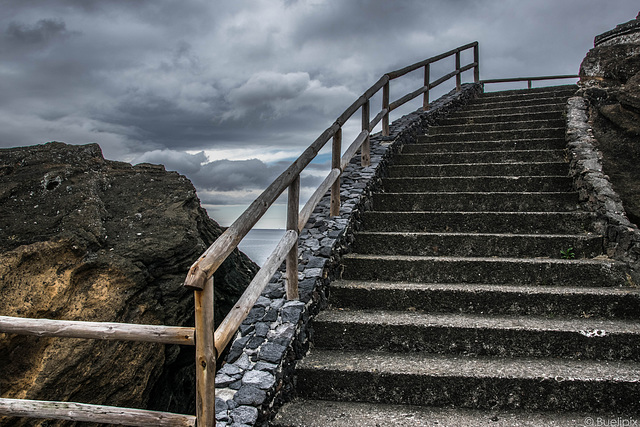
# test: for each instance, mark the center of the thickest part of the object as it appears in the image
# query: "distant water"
(258, 244)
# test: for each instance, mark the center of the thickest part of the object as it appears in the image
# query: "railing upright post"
(427, 78)
(458, 76)
(476, 59)
(385, 106)
(336, 149)
(205, 356)
(529, 84)
(293, 207)
(365, 150)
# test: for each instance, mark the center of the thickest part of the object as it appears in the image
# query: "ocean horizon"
(259, 243)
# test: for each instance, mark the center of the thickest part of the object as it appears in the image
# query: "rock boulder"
(84, 238)
(610, 80)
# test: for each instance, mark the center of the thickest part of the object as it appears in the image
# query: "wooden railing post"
(476, 59)
(205, 356)
(365, 150)
(293, 207)
(427, 78)
(385, 106)
(458, 76)
(336, 149)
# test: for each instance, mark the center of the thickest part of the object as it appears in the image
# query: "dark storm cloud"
(151, 80)
(43, 31)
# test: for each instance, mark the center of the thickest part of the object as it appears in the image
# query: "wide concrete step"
(479, 222)
(489, 270)
(479, 244)
(330, 413)
(481, 169)
(508, 156)
(462, 119)
(471, 382)
(474, 201)
(496, 109)
(515, 104)
(455, 147)
(478, 183)
(445, 129)
(550, 301)
(495, 135)
(559, 91)
(477, 334)
(515, 101)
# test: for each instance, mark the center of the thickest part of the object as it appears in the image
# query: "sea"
(259, 243)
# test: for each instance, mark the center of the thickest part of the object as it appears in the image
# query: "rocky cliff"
(84, 238)
(610, 77)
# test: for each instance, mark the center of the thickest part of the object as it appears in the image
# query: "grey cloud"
(227, 175)
(40, 33)
(218, 175)
(157, 78)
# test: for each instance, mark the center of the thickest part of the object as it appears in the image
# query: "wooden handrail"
(530, 79)
(213, 257)
(413, 67)
(97, 330)
(92, 413)
(209, 343)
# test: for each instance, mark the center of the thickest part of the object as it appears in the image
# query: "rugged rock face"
(84, 238)
(610, 77)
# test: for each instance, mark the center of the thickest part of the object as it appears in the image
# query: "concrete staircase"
(457, 307)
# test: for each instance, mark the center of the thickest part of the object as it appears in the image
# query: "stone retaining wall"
(622, 238)
(257, 376)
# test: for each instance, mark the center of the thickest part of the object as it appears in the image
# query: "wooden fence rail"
(97, 330)
(530, 79)
(203, 269)
(209, 343)
(92, 413)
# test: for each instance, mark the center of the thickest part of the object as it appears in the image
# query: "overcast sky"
(230, 92)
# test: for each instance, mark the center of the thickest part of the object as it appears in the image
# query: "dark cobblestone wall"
(257, 376)
(622, 238)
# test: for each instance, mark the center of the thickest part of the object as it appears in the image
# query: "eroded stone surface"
(610, 80)
(84, 238)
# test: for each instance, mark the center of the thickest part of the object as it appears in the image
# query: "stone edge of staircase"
(275, 335)
(622, 238)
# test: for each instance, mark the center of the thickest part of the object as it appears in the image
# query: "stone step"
(462, 119)
(515, 101)
(560, 91)
(508, 156)
(330, 413)
(456, 147)
(478, 183)
(489, 104)
(552, 301)
(489, 270)
(479, 222)
(478, 244)
(496, 135)
(471, 382)
(443, 129)
(480, 110)
(477, 335)
(481, 169)
(475, 201)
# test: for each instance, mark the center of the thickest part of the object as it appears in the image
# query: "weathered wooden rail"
(529, 80)
(209, 343)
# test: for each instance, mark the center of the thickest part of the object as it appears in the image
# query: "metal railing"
(209, 343)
